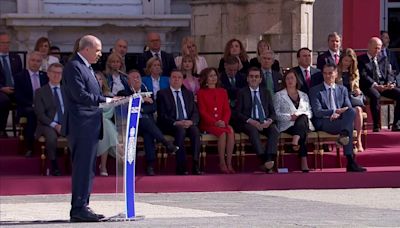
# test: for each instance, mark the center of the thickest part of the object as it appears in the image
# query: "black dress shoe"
(305, 170)
(181, 171)
(354, 167)
(56, 172)
(28, 154)
(84, 215)
(150, 171)
(395, 128)
(99, 216)
(171, 148)
(196, 170)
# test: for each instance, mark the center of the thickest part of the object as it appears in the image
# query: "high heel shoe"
(231, 170)
(224, 169)
(103, 172)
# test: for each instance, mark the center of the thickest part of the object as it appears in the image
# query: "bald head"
(90, 48)
(374, 46)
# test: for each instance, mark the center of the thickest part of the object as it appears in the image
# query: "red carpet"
(20, 175)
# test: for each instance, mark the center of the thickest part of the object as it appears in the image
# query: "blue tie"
(179, 107)
(7, 71)
(257, 105)
(58, 105)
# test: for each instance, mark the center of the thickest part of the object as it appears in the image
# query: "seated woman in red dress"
(215, 113)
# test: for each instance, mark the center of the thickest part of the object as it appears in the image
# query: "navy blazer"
(325, 58)
(319, 99)
(166, 107)
(366, 72)
(316, 78)
(245, 104)
(24, 90)
(276, 79)
(82, 96)
(168, 62)
(164, 83)
(124, 81)
(16, 67)
(240, 82)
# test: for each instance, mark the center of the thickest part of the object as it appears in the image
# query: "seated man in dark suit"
(390, 55)
(49, 110)
(334, 114)
(308, 75)
(178, 116)
(333, 54)
(256, 115)
(10, 65)
(232, 80)
(271, 79)
(26, 83)
(374, 82)
(154, 44)
(147, 125)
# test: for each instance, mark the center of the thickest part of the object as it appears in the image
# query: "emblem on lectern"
(131, 145)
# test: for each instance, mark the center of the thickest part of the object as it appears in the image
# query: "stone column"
(286, 24)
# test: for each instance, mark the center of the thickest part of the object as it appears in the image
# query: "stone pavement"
(293, 208)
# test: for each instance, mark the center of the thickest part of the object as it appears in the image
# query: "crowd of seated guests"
(191, 98)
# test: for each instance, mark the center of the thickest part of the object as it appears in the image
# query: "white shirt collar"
(252, 90)
(84, 60)
(52, 86)
(31, 72)
(303, 69)
(328, 86)
(333, 53)
(173, 90)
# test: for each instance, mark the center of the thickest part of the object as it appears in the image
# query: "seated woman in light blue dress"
(110, 136)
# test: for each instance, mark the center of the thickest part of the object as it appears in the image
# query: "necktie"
(336, 59)
(57, 100)
(180, 115)
(7, 71)
(269, 82)
(375, 68)
(35, 82)
(232, 81)
(258, 107)
(332, 103)
(308, 77)
(157, 55)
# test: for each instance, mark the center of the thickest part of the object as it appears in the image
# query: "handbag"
(357, 100)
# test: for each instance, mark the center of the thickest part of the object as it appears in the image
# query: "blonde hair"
(112, 57)
(150, 63)
(353, 70)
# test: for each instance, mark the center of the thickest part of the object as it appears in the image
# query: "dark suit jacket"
(391, 57)
(277, 80)
(168, 62)
(319, 99)
(275, 66)
(45, 107)
(325, 58)
(124, 81)
(166, 107)
(366, 72)
(82, 96)
(240, 82)
(316, 78)
(24, 90)
(221, 66)
(245, 105)
(16, 67)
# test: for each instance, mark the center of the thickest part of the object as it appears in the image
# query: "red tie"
(336, 59)
(308, 77)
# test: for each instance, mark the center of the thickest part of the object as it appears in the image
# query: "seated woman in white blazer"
(293, 111)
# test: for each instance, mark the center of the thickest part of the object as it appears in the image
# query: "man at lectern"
(82, 124)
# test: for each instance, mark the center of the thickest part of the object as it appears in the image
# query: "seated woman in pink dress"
(215, 113)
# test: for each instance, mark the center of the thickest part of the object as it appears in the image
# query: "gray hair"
(88, 41)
